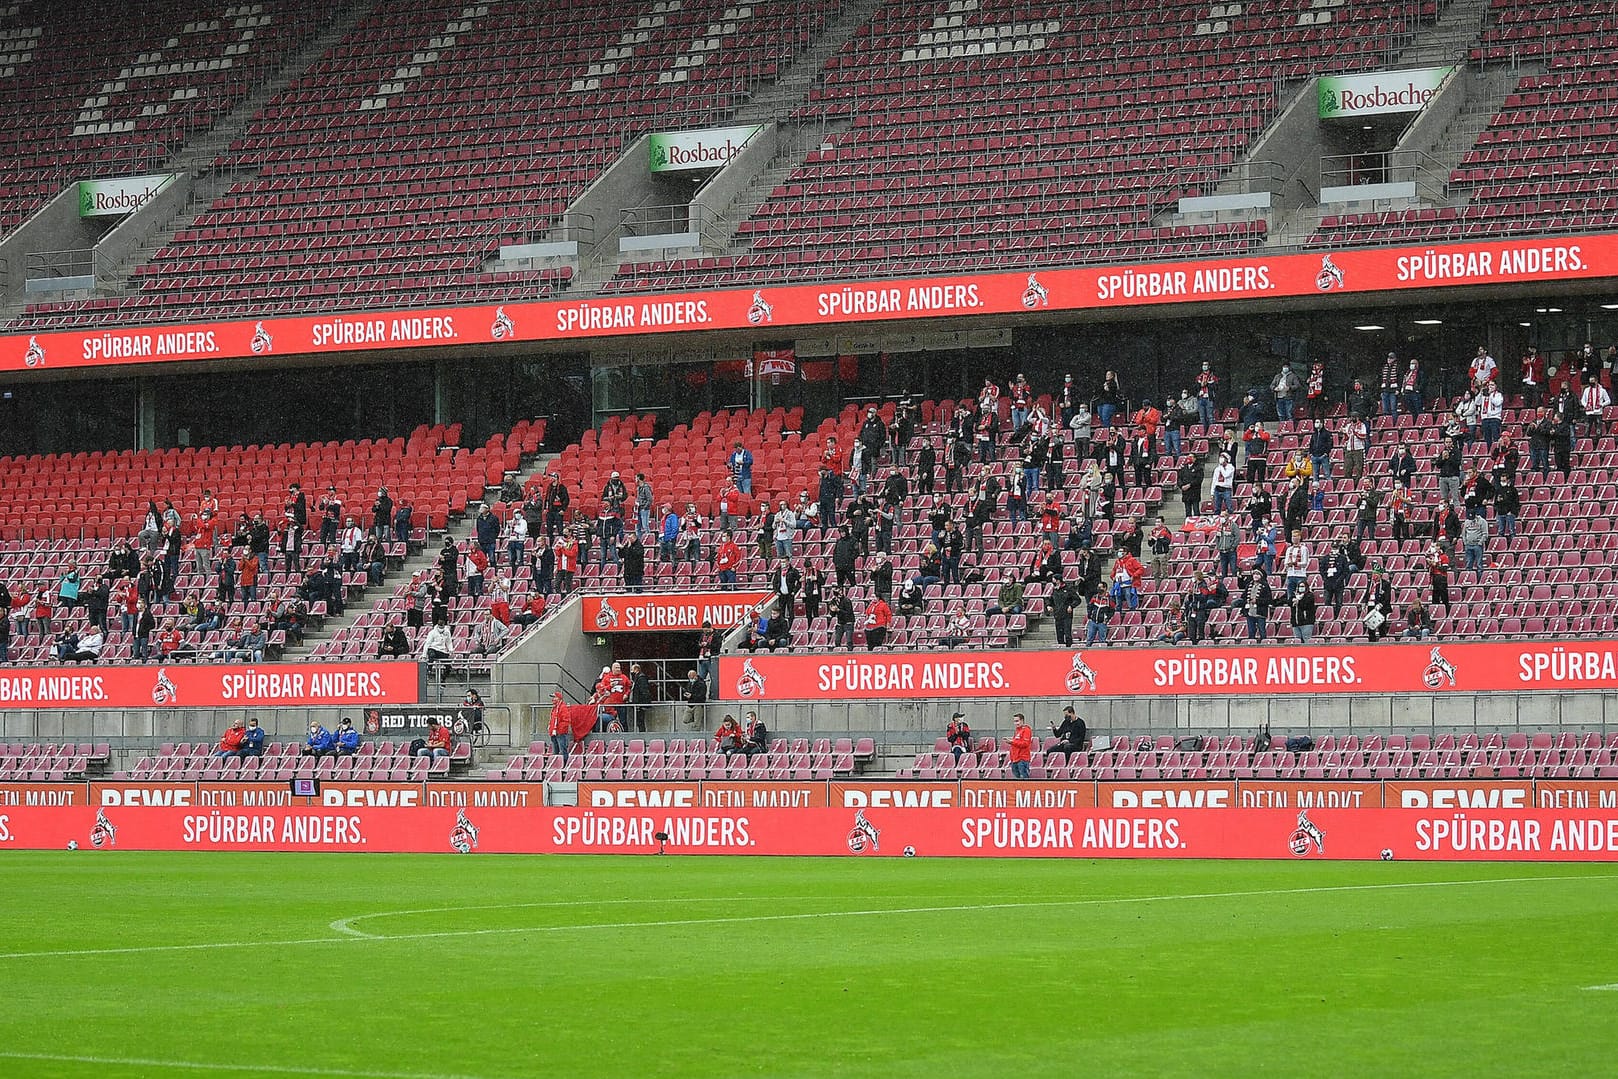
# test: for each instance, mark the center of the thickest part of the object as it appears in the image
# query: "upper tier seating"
(1545, 162)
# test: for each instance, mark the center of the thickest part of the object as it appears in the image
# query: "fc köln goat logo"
(607, 615)
(463, 838)
(863, 836)
(503, 326)
(1036, 294)
(103, 833)
(261, 342)
(1081, 675)
(163, 690)
(35, 356)
(1438, 670)
(751, 683)
(1306, 836)
(1330, 276)
(760, 310)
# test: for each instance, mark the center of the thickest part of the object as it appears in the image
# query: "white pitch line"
(761, 918)
(197, 1065)
(346, 925)
(1603, 988)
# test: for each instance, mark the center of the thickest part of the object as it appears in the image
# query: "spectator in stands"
(1356, 433)
(1320, 446)
(1378, 604)
(632, 559)
(1474, 537)
(1254, 601)
(1562, 441)
(1507, 504)
(1176, 628)
(1295, 565)
(1491, 410)
(1065, 599)
(440, 740)
(1477, 492)
(1257, 442)
(842, 611)
(1098, 614)
(1021, 746)
(252, 740)
(1418, 621)
(740, 463)
(1284, 385)
(644, 498)
(958, 735)
(1224, 485)
(1366, 506)
(95, 600)
(1482, 368)
(1295, 505)
(694, 694)
(246, 647)
(320, 742)
(1225, 542)
(957, 628)
(730, 738)
(296, 515)
(561, 733)
(492, 636)
(1205, 595)
(230, 742)
(1594, 400)
(438, 648)
(42, 608)
(668, 535)
(878, 617)
(1008, 598)
(1072, 735)
(727, 556)
(1410, 388)
(565, 554)
(1302, 603)
(5, 624)
(394, 642)
(784, 527)
(1531, 376)
(345, 739)
(1110, 399)
(1128, 576)
(1207, 387)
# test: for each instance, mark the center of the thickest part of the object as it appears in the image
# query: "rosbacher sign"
(1379, 92)
(124, 195)
(675, 151)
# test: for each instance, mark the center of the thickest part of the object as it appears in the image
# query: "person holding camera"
(1072, 735)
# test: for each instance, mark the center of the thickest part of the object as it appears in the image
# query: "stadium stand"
(375, 762)
(1545, 160)
(616, 759)
(82, 508)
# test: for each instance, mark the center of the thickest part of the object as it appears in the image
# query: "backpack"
(1300, 743)
(1261, 744)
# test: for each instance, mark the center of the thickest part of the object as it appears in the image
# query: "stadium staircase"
(200, 155)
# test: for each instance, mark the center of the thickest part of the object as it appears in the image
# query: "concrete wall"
(723, 188)
(1436, 116)
(133, 231)
(1294, 141)
(56, 226)
(556, 657)
(625, 183)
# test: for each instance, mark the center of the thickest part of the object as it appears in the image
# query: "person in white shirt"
(1595, 400)
(1491, 409)
(1296, 564)
(1482, 368)
(517, 540)
(1355, 434)
(90, 645)
(438, 647)
(1224, 485)
(353, 536)
(786, 526)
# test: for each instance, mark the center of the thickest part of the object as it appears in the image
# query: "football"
(73, 844)
(1387, 854)
(910, 852)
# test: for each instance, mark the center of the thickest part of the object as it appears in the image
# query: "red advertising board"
(253, 795)
(272, 685)
(773, 309)
(667, 612)
(1461, 667)
(44, 794)
(1483, 835)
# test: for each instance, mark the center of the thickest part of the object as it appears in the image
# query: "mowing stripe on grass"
(197, 1065)
(355, 936)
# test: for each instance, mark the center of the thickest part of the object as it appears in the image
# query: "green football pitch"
(429, 967)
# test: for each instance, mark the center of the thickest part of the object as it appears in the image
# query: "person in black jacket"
(632, 558)
(1507, 504)
(1254, 602)
(882, 576)
(1378, 598)
(1072, 735)
(1303, 615)
(842, 610)
(695, 695)
(640, 698)
(814, 589)
(842, 558)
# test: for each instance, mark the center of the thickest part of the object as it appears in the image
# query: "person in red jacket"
(726, 559)
(230, 743)
(878, 617)
(1021, 747)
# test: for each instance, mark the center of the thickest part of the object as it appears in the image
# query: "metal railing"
(1392, 166)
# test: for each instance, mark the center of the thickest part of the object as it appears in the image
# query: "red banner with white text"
(274, 685)
(1481, 835)
(1470, 667)
(818, 305)
(665, 612)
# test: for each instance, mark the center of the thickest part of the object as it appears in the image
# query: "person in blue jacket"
(741, 467)
(347, 739)
(319, 743)
(252, 740)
